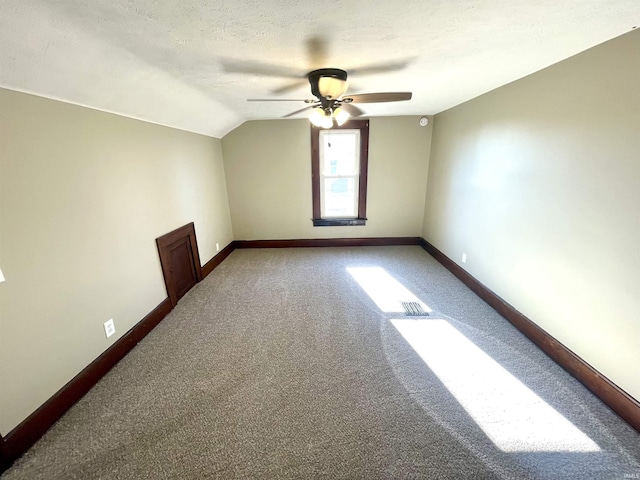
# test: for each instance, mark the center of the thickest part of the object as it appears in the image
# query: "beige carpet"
(281, 365)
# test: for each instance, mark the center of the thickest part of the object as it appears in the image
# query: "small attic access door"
(180, 261)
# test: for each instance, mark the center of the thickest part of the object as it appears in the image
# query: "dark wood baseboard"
(22, 437)
(208, 267)
(328, 242)
(617, 399)
(4, 458)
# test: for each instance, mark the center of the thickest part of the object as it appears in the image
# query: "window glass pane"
(339, 197)
(339, 152)
(339, 174)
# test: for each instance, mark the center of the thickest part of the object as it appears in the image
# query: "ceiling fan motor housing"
(316, 77)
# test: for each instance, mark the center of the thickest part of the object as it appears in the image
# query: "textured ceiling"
(191, 64)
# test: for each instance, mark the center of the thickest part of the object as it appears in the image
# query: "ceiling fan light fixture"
(320, 118)
(331, 87)
(341, 116)
(330, 106)
(327, 122)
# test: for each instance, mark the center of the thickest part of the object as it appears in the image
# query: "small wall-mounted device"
(424, 121)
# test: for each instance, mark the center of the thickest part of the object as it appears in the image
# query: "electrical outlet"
(464, 258)
(109, 328)
(217, 247)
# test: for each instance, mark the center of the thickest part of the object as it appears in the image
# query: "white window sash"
(355, 177)
(356, 191)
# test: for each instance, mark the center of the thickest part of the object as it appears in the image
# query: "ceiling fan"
(331, 104)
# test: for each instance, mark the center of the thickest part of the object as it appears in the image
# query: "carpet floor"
(301, 363)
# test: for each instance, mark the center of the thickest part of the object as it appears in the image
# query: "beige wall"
(83, 195)
(268, 168)
(539, 183)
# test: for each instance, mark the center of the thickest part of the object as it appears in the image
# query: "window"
(339, 159)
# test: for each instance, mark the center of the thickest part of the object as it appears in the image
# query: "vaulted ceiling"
(192, 64)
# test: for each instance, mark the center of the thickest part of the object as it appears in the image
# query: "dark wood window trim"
(318, 221)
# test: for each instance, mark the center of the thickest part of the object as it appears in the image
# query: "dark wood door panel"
(183, 271)
(180, 261)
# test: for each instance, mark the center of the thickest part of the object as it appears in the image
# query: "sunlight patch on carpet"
(510, 414)
(387, 292)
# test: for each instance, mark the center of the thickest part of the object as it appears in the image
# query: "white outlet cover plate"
(464, 258)
(109, 328)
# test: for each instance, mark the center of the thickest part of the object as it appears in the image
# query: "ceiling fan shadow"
(291, 86)
(386, 67)
(230, 65)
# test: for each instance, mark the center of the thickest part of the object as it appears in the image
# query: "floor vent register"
(414, 309)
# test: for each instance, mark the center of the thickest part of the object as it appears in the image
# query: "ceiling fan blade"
(352, 109)
(381, 67)
(377, 97)
(309, 107)
(280, 100)
(291, 86)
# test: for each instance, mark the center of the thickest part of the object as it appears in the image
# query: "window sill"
(338, 222)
